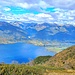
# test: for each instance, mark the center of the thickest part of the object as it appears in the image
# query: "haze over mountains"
(49, 31)
(34, 30)
(10, 34)
(37, 34)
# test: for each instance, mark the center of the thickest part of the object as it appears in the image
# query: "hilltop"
(64, 59)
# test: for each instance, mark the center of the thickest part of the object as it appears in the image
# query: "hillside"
(54, 66)
(41, 59)
(64, 59)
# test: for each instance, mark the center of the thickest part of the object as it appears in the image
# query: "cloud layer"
(55, 11)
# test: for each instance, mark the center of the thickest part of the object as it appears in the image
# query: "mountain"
(10, 33)
(64, 59)
(36, 33)
(47, 31)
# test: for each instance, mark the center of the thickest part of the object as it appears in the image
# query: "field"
(22, 69)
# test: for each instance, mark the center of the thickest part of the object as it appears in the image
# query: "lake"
(21, 52)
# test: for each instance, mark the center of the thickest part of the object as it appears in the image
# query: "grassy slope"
(65, 59)
(41, 59)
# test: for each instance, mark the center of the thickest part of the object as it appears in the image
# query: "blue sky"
(51, 11)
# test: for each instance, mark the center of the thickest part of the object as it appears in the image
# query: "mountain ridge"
(49, 31)
(10, 34)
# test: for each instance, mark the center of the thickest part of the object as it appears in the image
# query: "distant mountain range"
(47, 31)
(19, 31)
(10, 33)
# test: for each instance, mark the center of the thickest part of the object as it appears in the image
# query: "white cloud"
(65, 17)
(64, 10)
(26, 5)
(6, 9)
(43, 4)
(69, 4)
(23, 5)
(28, 17)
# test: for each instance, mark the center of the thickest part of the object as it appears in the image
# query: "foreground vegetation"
(63, 63)
(15, 69)
(22, 69)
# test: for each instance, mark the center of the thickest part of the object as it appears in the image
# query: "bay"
(21, 52)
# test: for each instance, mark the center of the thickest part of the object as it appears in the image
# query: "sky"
(39, 11)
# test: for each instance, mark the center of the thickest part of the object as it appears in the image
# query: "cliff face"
(64, 59)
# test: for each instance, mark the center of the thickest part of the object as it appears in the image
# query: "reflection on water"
(21, 52)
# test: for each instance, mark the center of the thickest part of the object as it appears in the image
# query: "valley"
(44, 65)
(51, 36)
(37, 37)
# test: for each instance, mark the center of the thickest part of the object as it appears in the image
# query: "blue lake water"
(21, 52)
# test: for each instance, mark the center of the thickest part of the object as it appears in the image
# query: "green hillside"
(41, 59)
